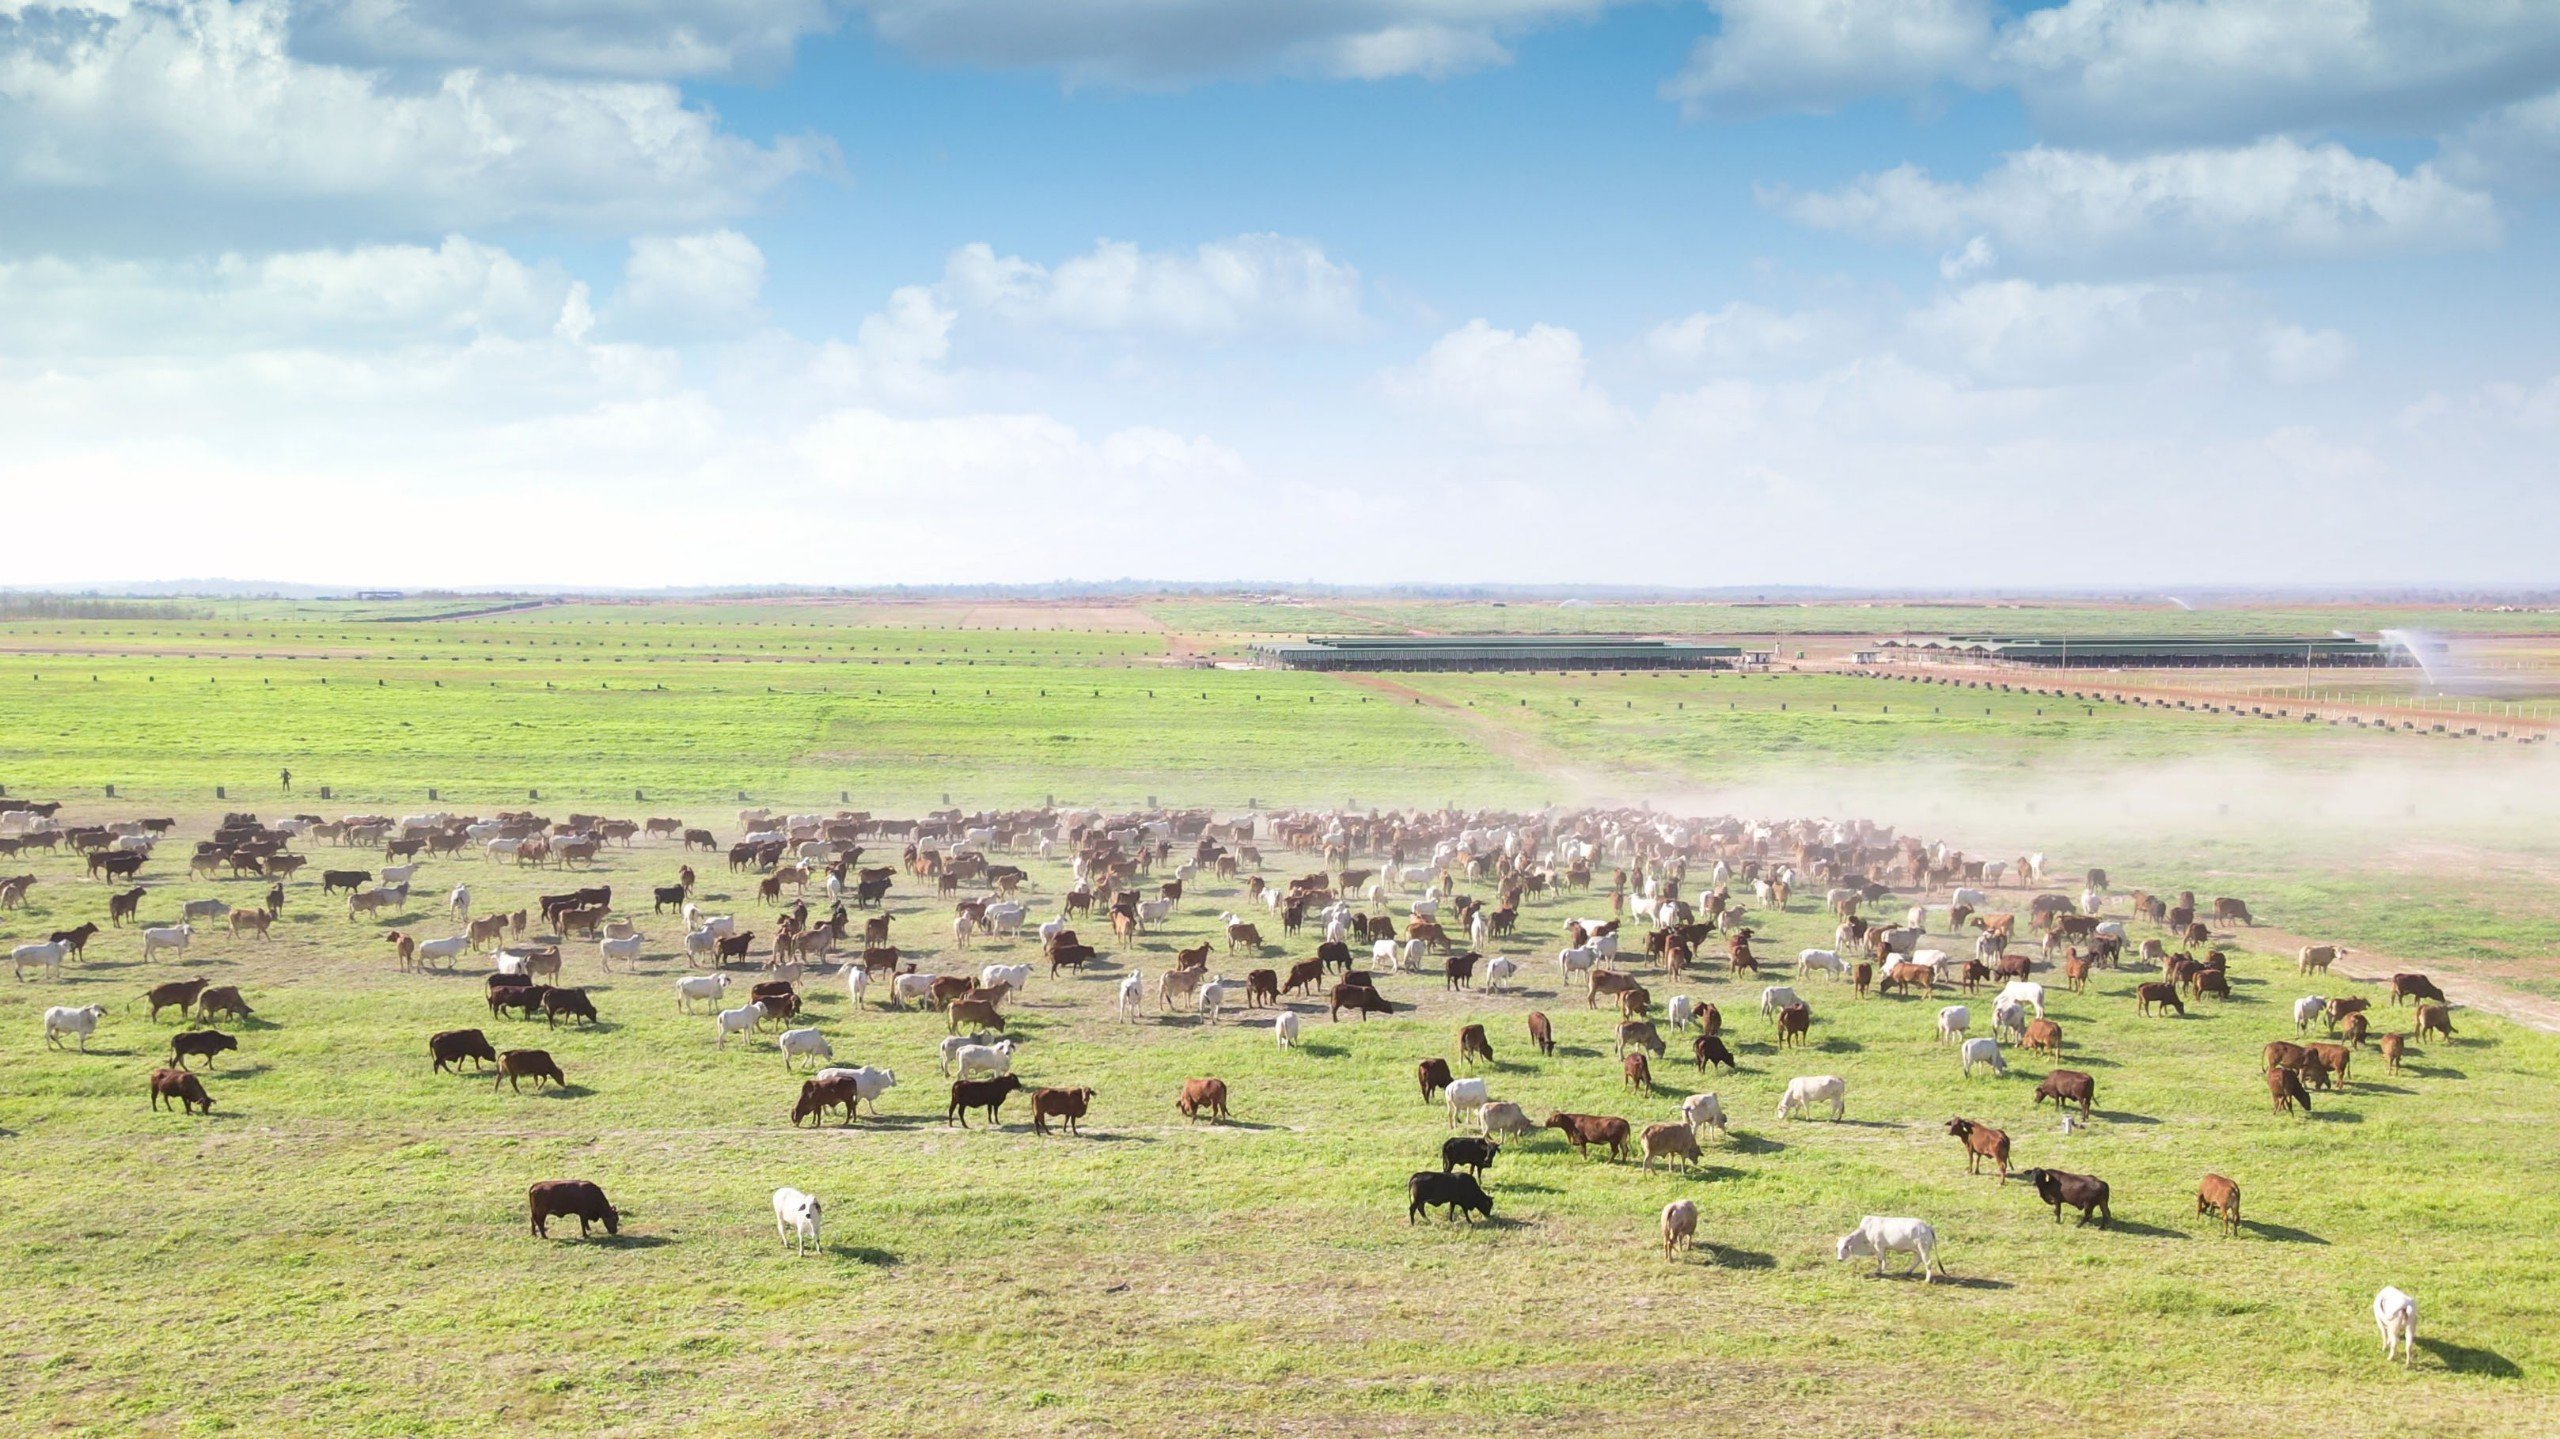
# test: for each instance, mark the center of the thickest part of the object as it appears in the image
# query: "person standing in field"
(287, 777)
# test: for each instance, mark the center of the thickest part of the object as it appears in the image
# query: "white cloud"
(1250, 284)
(1745, 336)
(697, 284)
(2517, 145)
(2275, 201)
(2016, 333)
(161, 118)
(1817, 55)
(2137, 71)
(1529, 387)
(641, 39)
(1171, 42)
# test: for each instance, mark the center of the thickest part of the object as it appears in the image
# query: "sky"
(474, 293)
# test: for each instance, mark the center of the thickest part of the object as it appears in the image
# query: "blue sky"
(1907, 292)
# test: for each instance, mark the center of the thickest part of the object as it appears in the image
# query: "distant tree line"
(85, 607)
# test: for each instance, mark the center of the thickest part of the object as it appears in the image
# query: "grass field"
(340, 1247)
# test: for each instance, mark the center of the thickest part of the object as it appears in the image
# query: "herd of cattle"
(1683, 881)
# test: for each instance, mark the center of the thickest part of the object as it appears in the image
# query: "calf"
(1673, 1140)
(552, 1199)
(1638, 1071)
(2043, 1036)
(2164, 995)
(2392, 1045)
(1806, 1092)
(517, 1065)
(2084, 1192)
(2435, 1019)
(1881, 1236)
(1641, 1034)
(1981, 1142)
(2220, 1197)
(205, 1042)
(179, 1087)
(449, 1048)
(1795, 1022)
(1679, 1226)
(2284, 1091)
(1456, 1194)
(2396, 1315)
(223, 1000)
(1467, 1152)
(1433, 1075)
(2066, 1087)
(1361, 998)
(182, 993)
(1542, 1033)
(2415, 986)
(1708, 1049)
(1585, 1130)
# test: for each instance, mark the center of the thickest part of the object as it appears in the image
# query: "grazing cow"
(183, 993)
(986, 1094)
(2162, 994)
(1499, 972)
(1639, 1033)
(795, 1220)
(1679, 1226)
(521, 1064)
(205, 1042)
(1465, 1096)
(2316, 958)
(2284, 1091)
(2352, 1029)
(1707, 1049)
(2396, 1315)
(1262, 987)
(1981, 1142)
(1472, 1044)
(2066, 1087)
(1501, 1116)
(980, 1012)
(1456, 1194)
(180, 1087)
(1585, 1130)
(1985, 1052)
(81, 1020)
(1359, 997)
(1542, 1033)
(570, 1198)
(1433, 1076)
(1953, 1021)
(1674, 1140)
(2393, 1045)
(2415, 986)
(1203, 1096)
(223, 1000)
(1305, 974)
(2084, 1192)
(1774, 998)
(1906, 976)
(1881, 1236)
(796, 1042)
(1638, 1071)
(1067, 1106)
(1703, 1111)
(571, 1002)
(2333, 1058)
(1795, 1022)
(1806, 1092)
(2043, 1036)
(2022, 991)
(1467, 1152)
(2220, 1197)
(851, 1088)
(450, 1047)
(1284, 1030)
(2435, 1019)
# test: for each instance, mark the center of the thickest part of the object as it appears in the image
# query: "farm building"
(1494, 652)
(2148, 652)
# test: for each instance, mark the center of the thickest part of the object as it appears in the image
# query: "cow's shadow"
(2336, 1116)
(1953, 1282)
(870, 1255)
(2141, 1230)
(2467, 1359)
(2281, 1233)
(1742, 1143)
(2123, 1116)
(1726, 1256)
(627, 1241)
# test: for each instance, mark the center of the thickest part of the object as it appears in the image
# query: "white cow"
(2307, 1009)
(1051, 929)
(626, 950)
(857, 983)
(47, 957)
(1415, 951)
(742, 1020)
(397, 876)
(701, 943)
(910, 986)
(1970, 898)
(797, 1042)
(722, 925)
(868, 1083)
(64, 1019)
(1807, 961)
(1154, 911)
(448, 949)
(1953, 1021)
(1776, 997)
(1681, 1011)
(1014, 976)
(502, 849)
(713, 987)
(795, 1218)
(1576, 961)
(1501, 1116)
(168, 937)
(1214, 996)
(1880, 1236)
(2009, 1019)
(1465, 1096)
(1984, 1052)
(1133, 995)
(1498, 972)
(2396, 1315)
(2023, 991)
(1803, 1094)
(197, 909)
(1383, 954)
(1703, 1111)
(988, 1059)
(1284, 1030)
(1006, 918)
(460, 903)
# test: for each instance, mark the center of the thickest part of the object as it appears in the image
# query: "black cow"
(2084, 1192)
(986, 1094)
(1467, 1152)
(205, 1042)
(1456, 1194)
(453, 1046)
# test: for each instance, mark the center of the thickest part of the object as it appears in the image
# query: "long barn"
(1494, 652)
(2149, 651)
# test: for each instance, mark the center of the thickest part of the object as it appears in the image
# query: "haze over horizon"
(1892, 293)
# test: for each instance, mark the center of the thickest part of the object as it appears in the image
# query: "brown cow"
(1067, 1105)
(2281, 1054)
(2415, 986)
(1604, 981)
(2284, 1091)
(1707, 1049)
(2332, 1057)
(251, 921)
(1639, 1071)
(977, 1013)
(533, 1064)
(2043, 1036)
(1862, 977)
(449, 1048)
(2435, 1019)
(2352, 1029)
(567, 1198)
(1981, 1142)
(1203, 1096)
(1675, 1140)
(2343, 1006)
(1585, 1130)
(1907, 975)
(2163, 994)
(1542, 1033)
(1306, 974)
(2066, 1087)
(1472, 1044)
(1261, 987)
(179, 1086)
(1361, 998)
(986, 1094)
(1640, 1033)
(1795, 1021)
(1433, 1075)
(223, 1000)
(182, 993)
(205, 1042)
(2393, 1045)
(2220, 1197)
